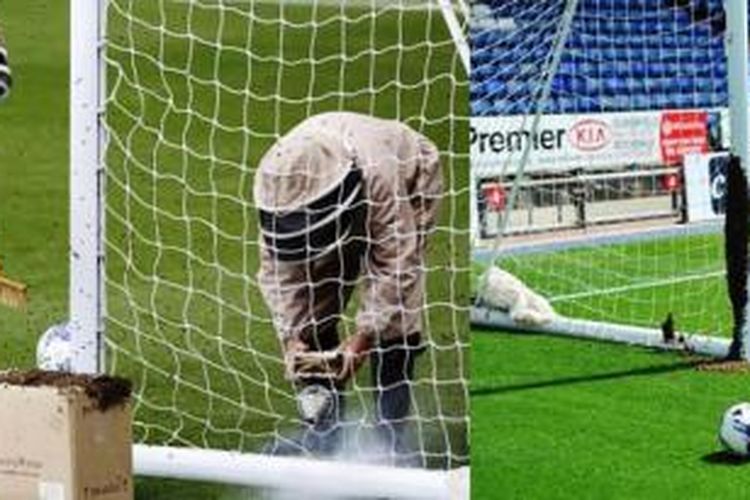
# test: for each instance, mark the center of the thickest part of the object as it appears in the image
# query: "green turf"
(635, 283)
(558, 418)
(197, 341)
(564, 418)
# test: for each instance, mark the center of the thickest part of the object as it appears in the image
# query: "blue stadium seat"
(686, 85)
(638, 69)
(480, 107)
(480, 57)
(656, 70)
(669, 55)
(719, 99)
(683, 100)
(510, 107)
(671, 69)
(480, 39)
(720, 70)
(566, 105)
(482, 72)
(661, 100)
(635, 85)
(562, 85)
(640, 102)
(593, 86)
(588, 69)
(549, 107)
(613, 86)
(651, 85)
(718, 85)
(701, 58)
(703, 100)
(476, 91)
(496, 88)
(580, 85)
(516, 88)
(608, 70)
(609, 53)
(586, 104)
(607, 103)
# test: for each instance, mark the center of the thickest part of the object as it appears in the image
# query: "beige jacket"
(403, 187)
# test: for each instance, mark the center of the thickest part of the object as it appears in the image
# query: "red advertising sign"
(682, 132)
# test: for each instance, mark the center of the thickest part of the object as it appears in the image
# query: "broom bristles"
(13, 294)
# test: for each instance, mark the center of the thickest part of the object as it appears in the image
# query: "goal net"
(599, 133)
(196, 92)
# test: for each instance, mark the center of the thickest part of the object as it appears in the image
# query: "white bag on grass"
(502, 290)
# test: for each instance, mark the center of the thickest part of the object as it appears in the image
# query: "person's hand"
(305, 364)
(293, 348)
(354, 351)
(339, 364)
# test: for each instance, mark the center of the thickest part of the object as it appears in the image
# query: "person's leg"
(334, 278)
(322, 432)
(321, 407)
(392, 374)
(392, 362)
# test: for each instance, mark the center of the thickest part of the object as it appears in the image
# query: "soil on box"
(105, 390)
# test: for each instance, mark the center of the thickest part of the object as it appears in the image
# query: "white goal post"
(92, 250)
(87, 142)
(639, 270)
(299, 476)
(739, 106)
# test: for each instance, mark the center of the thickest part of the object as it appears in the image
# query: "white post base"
(648, 337)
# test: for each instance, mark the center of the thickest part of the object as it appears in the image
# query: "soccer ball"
(53, 351)
(734, 433)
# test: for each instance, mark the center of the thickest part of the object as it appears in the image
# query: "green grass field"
(563, 418)
(635, 283)
(566, 418)
(189, 116)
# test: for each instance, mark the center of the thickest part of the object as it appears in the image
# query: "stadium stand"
(619, 55)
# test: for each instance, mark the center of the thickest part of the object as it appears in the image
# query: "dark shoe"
(309, 441)
(394, 442)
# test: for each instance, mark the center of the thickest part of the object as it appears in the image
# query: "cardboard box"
(64, 441)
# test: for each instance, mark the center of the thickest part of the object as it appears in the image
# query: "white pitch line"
(638, 286)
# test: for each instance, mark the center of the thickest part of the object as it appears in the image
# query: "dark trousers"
(392, 370)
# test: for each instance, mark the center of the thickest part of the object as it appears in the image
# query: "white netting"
(197, 92)
(582, 113)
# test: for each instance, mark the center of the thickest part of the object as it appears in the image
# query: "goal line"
(638, 286)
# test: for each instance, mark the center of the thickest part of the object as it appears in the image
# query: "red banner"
(682, 132)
